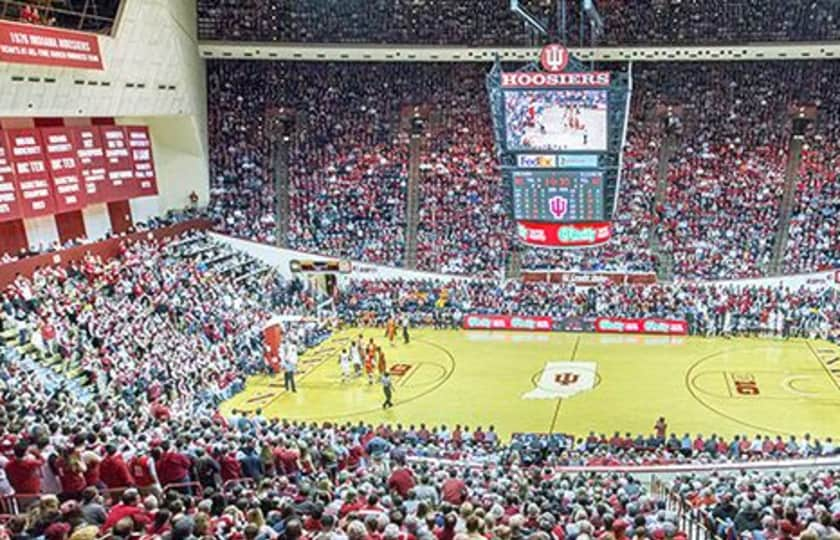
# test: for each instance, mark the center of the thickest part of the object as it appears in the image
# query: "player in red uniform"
(370, 357)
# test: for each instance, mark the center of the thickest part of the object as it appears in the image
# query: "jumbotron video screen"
(556, 120)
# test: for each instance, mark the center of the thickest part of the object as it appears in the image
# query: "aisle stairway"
(46, 368)
(665, 259)
(788, 198)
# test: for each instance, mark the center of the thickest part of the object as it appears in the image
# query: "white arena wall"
(280, 258)
(153, 76)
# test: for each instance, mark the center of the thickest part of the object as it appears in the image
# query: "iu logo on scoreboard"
(554, 58)
(558, 206)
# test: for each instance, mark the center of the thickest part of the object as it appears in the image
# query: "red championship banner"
(614, 325)
(507, 322)
(563, 235)
(30, 44)
(63, 164)
(9, 197)
(140, 145)
(90, 152)
(120, 169)
(30, 168)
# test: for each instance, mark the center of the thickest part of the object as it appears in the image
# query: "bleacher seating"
(453, 22)
(719, 218)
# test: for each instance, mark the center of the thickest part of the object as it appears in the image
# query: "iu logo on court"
(566, 378)
(554, 58)
(563, 380)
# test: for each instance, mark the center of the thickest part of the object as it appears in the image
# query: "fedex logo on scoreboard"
(536, 161)
(559, 161)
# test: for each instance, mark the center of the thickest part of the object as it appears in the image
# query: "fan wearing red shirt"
(113, 470)
(454, 491)
(23, 470)
(352, 503)
(478, 435)
(173, 467)
(286, 460)
(447, 532)
(70, 470)
(231, 468)
(129, 507)
(401, 480)
(142, 470)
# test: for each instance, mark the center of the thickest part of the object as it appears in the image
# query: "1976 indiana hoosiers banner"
(29, 44)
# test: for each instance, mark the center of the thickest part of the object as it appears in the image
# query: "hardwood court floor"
(724, 386)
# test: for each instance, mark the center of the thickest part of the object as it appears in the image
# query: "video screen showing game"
(556, 120)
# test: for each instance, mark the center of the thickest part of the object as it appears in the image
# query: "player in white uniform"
(344, 362)
(355, 358)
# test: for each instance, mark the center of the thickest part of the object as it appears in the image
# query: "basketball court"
(571, 383)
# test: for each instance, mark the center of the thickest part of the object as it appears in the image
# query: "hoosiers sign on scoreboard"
(560, 129)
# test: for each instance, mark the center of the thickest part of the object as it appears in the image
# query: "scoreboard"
(558, 196)
(560, 128)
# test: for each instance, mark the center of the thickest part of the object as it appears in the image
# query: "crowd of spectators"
(349, 159)
(708, 310)
(172, 217)
(814, 231)
(464, 226)
(160, 334)
(491, 22)
(600, 450)
(765, 505)
(726, 179)
(359, 21)
(122, 324)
